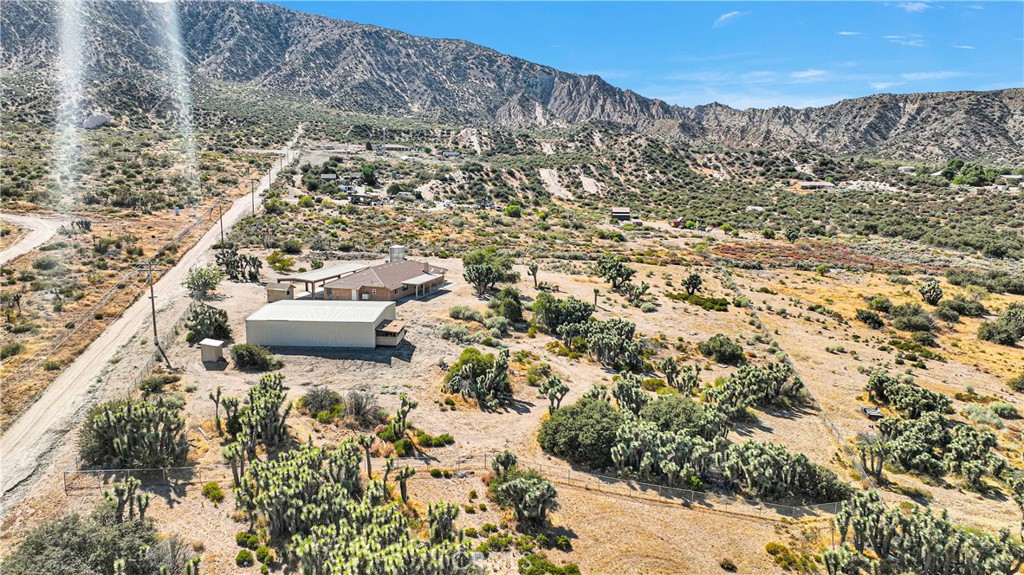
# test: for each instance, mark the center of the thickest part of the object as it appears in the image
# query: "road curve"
(39, 231)
(29, 443)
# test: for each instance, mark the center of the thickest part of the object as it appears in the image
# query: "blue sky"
(753, 54)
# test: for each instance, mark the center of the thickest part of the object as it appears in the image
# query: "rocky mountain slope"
(369, 69)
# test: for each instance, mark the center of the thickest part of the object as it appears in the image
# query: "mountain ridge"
(366, 68)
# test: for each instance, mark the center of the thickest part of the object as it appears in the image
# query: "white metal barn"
(319, 323)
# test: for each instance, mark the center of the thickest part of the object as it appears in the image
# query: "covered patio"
(424, 284)
(321, 276)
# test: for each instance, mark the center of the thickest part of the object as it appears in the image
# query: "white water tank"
(396, 253)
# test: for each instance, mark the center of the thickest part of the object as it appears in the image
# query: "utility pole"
(152, 307)
(252, 194)
(220, 207)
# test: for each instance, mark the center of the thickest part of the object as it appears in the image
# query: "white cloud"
(939, 75)
(847, 33)
(807, 74)
(892, 37)
(883, 85)
(963, 46)
(913, 7)
(912, 43)
(728, 17)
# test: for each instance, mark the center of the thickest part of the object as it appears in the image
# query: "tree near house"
(486, 267)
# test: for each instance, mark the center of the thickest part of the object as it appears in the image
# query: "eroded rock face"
(267, 48)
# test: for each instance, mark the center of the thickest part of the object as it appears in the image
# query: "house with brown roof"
(388, 282)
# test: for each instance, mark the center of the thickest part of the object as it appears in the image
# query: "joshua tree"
(404, 474)
(366, 442)
(930, 292)
(555, 390)
(692, 284)
(124, 497)
(442, 521)
(215, 397)
(533, 268)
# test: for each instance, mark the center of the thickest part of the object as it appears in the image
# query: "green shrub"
(404, 447)
(465, 313)
(11, 349)
(247, 540)
(320, 399)
(583, 433)
(45, 263)
(1004, 410)
(880, 303)
(155, 383)
(77, 545)
(263, 554)
(456, 333)
(244, 558)
(427, 440)
(254, 357)
(870, 318)
(722, 349)
(213, 492)
(1017, 383)
(538, 564)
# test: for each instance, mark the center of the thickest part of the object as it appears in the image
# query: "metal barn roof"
(322, 311)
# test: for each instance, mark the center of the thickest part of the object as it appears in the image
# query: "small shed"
(212, 350)
(622, 214)
(277, 291)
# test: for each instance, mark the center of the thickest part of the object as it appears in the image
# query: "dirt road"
(39, 230)
(29, 443)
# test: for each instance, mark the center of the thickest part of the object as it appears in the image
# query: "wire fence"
(832, 427)
(34, 363)
(166, 338)
(85, 481)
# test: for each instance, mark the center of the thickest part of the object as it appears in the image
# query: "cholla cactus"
(264, 422)
(531, 497)
(138, 434)
(503, 462)
(670, 367)
(629, 394)
(915, 542)
(442, 521)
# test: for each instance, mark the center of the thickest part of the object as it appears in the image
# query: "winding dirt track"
(39, 231)
(29, 443)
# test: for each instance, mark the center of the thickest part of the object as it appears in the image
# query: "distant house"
(328, 177)
(396, 148)
(814, 185)
(1011, 179)
(906, 169)
(361, 198)
(388, 282)
(622, 214)
(278, 291)
(451, 154)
